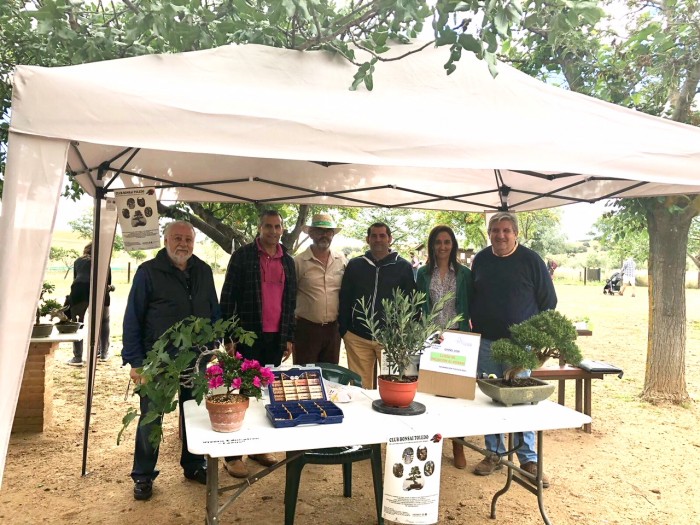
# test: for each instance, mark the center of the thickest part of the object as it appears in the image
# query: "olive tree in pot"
(44, 307)
(532, 343)
(403, 333)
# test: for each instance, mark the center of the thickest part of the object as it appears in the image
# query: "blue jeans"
(496, 442)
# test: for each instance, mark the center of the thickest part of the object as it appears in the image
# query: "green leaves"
(173, 362)
(400, 328)
(532, 342)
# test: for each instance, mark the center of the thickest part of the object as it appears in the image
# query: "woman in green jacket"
(440, 275)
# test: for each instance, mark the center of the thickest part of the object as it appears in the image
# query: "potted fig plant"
(44, 308)
(548, 334)
(403, 333)
(180, 357)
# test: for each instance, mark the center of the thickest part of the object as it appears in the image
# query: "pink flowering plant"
(192, 353)
(236, 373)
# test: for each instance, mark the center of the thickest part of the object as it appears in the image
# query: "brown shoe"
(237, 468)
(488, 465)
(458, 454)
(531, 468)
(266, 460)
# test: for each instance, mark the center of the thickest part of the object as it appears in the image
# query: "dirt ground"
(639, 466)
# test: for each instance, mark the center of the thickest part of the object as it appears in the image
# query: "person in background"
(372, 276)
(261, 288)
(78, 301)
(415, 264)
(511, 284)
(442, 274)
(628, 271)
(319, 273)
(170, 287)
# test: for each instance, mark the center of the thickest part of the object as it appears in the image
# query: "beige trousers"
(363, 357)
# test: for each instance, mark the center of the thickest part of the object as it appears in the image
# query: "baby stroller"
(612, 285)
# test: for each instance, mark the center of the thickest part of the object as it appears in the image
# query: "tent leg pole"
(92, 339)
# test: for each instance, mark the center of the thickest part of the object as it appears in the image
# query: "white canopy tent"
(258, 124)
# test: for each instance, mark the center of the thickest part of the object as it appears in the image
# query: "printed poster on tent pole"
(412, 479)
(137, 210)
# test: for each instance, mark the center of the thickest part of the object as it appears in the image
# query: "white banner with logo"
(412, 479)
(138, 218)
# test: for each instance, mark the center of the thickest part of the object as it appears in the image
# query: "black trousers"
(146, 457)
(266, 349)
(104, 335)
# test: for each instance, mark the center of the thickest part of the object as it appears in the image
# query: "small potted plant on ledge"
(44, 308)
(403, 334)
(65, 324)
(180, 357)
(532, 343)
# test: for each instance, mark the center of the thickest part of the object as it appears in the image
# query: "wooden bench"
(583, 385)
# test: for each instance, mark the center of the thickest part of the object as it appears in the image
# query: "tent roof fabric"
(260, 124)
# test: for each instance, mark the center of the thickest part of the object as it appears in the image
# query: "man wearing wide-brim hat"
(319, 274)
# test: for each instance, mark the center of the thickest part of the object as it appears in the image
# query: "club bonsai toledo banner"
(412, 479)
(137, 210)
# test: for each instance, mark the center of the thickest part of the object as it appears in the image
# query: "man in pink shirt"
(261, 288)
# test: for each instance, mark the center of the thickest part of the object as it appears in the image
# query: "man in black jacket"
(261, 288)
(173, 285)
(373, 276)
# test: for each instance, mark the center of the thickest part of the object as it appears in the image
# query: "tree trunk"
(665, 370)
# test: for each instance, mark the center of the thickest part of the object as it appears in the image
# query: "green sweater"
(465, 290)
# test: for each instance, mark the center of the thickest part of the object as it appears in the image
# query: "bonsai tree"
(46, 306)
(532, 342)
(177, 358)
(60, 314)
(401, 330)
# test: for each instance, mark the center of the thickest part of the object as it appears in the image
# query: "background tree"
(65, 256)
(622, 236)
(83, 227)
(653, 65)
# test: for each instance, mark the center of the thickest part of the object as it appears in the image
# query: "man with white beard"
(170, 287)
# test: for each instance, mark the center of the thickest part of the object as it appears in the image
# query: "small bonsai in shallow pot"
(532, 343)
(65, 324)
(44, 307)
(403, 333)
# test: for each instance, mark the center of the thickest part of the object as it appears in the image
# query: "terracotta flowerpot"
(396, 394)
(226, 416)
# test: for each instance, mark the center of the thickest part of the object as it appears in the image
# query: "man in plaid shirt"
(261, 288)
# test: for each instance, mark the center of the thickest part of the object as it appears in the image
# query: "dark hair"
(431, 241)
(269, 213)
(379, 225)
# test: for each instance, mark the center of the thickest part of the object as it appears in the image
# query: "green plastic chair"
(344, 456)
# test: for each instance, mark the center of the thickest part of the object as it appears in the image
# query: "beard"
(179, 257)
(323, 243)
